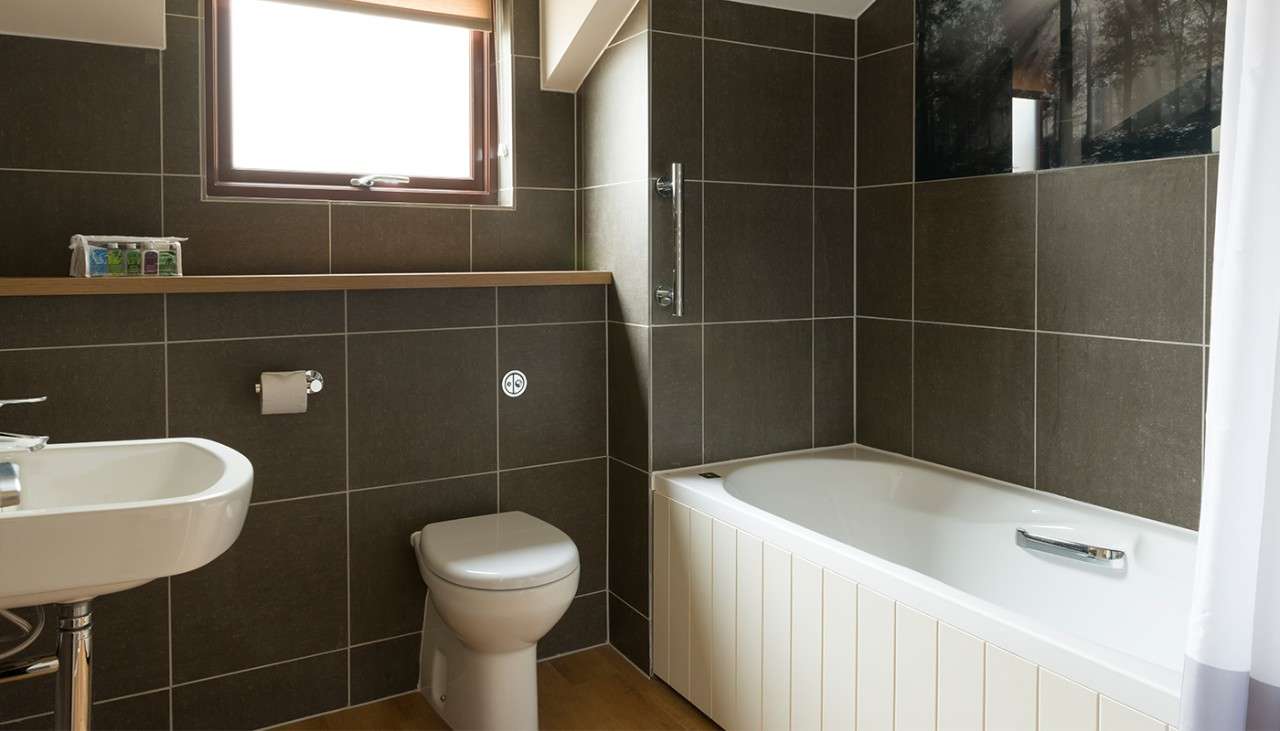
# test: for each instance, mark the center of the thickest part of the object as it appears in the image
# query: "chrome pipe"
(29, 668)
(73, 699)
(672, 187)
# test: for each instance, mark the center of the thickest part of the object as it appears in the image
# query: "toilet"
(495, 585)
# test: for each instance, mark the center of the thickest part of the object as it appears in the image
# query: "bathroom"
(938, 272)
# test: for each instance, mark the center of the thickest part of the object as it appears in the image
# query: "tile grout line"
(702, 223)
(749, 44)
(1035, 342)
(346, 435)
(813, 243)
(1063, 333)
(164, 335)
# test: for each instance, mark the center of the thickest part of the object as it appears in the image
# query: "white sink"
(100, 517)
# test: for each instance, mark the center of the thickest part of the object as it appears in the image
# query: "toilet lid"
(502, 551)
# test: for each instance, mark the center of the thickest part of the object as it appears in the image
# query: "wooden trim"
(53, 286)
(222, 179)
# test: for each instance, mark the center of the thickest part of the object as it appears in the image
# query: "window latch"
(368, 181)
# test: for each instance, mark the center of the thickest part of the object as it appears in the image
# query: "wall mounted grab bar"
(672, 187)
(1112, 557)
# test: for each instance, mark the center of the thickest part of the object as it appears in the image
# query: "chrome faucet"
(10, 442)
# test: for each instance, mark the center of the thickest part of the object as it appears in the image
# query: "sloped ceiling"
(839, 8)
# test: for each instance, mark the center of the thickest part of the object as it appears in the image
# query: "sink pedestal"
(73, 700)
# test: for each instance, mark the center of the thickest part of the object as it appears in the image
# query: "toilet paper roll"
(284, 392)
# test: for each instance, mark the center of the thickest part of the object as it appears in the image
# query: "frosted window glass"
(319, 90)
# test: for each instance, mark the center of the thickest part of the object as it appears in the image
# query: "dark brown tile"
(264, 697)
(758, 114)
(387, 589)
(834, 36)
(39, 212)
(886, 118)
(975, 400)
(886, 24)
(663, 255)
(614, 239)
(181, 124)
(32, 322)
(211, 395)
(526, 37)
(537, 235)
(677, 397)
(1121, 250)
(833, 394)
(884, 384)
(759, 394)
(614, 116)
(834, 252)
(529, 305)
(385, 668)
(975, 251)
(420, 309)
(1211, 232)
(884, 251)
(183, 7)
(148, 712)
(629, 633)
(422, 405)
(279, 592)
(545, 130)
(82, 407)
(675, 115)
(834, 116)
(735, 21)
(105, 115)
(561, 414)
(629, 533)
(253, 314)
(676, 16)
(1118, 425)
(629, 386)
(245, 238)
(572, 496)
(585, 624)
(760, 235)
(400, 239)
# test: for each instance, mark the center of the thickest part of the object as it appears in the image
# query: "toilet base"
(476, 690)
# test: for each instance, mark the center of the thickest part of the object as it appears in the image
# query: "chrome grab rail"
(1112, 557)
(672, 187)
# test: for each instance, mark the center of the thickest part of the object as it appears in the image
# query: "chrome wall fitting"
(1109, 557)
(672, 187)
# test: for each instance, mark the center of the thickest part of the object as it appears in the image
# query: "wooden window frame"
(222, 179)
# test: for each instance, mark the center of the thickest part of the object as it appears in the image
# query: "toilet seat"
(503, 551)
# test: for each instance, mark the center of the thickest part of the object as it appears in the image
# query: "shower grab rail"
(1112, 557)
(672, 186)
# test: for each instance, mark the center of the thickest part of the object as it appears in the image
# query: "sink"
(101, 517)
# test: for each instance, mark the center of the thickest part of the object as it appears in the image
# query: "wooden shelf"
(45, 286)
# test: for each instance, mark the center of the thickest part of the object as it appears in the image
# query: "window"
(306, 97)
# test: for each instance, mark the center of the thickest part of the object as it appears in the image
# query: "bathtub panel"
(750, 632)
(1010, 693)
(775, 695)
(839, 652)
(724, 580)
(1113, 716)
(806, 645)
(875, 661)
(1066, 705)
(679, 600)
(915, 667)
(959, 680)
(661, 586)
(700, 618)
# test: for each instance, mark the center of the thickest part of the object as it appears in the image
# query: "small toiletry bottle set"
(126, 256)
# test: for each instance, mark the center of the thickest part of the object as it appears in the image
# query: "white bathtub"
(847, 587)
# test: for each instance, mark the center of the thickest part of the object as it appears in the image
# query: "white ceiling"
(838, 8)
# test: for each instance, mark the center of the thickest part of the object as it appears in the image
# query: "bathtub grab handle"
(1112, 557)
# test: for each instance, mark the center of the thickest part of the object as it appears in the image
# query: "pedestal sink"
(100, 517)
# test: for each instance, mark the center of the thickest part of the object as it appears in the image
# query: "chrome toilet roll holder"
(315, 383)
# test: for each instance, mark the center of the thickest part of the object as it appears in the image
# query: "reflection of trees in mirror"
(1120, 79)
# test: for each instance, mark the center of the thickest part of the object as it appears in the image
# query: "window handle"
(368, 181)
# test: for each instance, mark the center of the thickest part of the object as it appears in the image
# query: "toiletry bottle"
(97, 260)
(150, 260)
(115, 260)
(168, 260)
(132, 260)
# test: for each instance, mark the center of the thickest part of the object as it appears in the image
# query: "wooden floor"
(595, 689)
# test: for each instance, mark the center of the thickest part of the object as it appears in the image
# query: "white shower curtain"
(1231, 678)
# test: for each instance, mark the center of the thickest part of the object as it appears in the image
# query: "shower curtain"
(1231, 676)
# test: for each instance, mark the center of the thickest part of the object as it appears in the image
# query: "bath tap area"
(871, 365)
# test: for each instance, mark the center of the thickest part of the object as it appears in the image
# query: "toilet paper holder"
(315, 383)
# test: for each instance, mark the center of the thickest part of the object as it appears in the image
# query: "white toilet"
(495, 585)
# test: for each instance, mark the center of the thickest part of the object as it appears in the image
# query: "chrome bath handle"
(1112, 557)
(672, 187)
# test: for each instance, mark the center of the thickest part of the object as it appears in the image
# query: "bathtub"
(851, 588)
